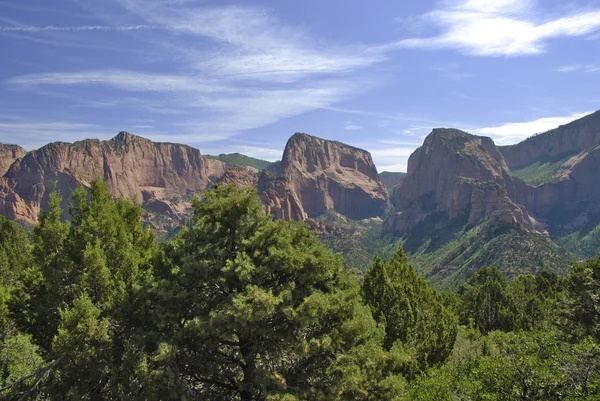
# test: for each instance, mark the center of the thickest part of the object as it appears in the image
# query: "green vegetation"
(241, 160)
(240, 307)
(583, 244)
(538, 173)
(458, 251)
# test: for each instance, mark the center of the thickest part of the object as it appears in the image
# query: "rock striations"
(547, 184)
(456, 176)
(133, 167)
(316, 175)
(567, 160)
(8, 155)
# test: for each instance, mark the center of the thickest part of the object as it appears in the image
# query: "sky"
(243, 76)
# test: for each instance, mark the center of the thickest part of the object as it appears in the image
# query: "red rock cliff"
(316, 175)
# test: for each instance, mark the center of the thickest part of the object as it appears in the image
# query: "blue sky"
(244, 76)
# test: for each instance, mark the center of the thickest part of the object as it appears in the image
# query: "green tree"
(411, 311)
(584, 298)
(486, 301)
(85, 294)
(256, 309)
(526, 366)
(14, 258)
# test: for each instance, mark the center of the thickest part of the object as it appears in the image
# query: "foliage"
(451, 256)
(539, 172)
(411, 311)
(259, 308)
(584, 289)
(516, 366)
(241, 160)
(240, 307)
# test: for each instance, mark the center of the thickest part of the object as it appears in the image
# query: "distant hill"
(391, 179)
(240, 160)
(554, 155)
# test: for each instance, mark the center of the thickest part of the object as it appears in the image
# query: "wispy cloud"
(124, 80)
(253, 43)
(392, 158)
(238, 68)
(499, 28)
(32, 135)
(350, 126)
(579, 68)
(510, 133)
(91, 28)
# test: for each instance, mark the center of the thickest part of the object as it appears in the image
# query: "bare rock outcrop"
(569, 139)
(316, 175)
(244, 176)
(132, 166)
(456, 175)
(8, 155)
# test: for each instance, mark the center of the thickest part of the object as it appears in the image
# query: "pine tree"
(256, 309)
(409, 308)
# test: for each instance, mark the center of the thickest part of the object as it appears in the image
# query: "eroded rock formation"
(316, 175)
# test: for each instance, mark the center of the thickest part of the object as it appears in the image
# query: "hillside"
(391, 179)
(458, 210)
(550, 157)
(240, 160)
(461, 205)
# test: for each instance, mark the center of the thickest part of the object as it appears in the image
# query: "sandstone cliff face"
(133, 167)
(8, 155)
(244, 176)
(570, 139)
(456, 175)
(316, 175)
(570, 198)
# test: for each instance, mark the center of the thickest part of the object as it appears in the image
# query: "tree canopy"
(239, 307)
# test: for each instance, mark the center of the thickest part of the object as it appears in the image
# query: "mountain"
(156, 174)
(8, 155)
(459, 209)
(391, 179)
(561, 168)
(550, 157)
(316, 175)
(455, 176)
(240, 160)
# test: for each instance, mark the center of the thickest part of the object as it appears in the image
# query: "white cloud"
(350, 126)
(511, 133)
(392, 158)
(401, 167)
(240, 68)
(392, 152)
(579, 68)
(89, 28)
(499, 27)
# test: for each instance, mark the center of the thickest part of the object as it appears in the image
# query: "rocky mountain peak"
(316, 175)
(455, 175)
(8, 155)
